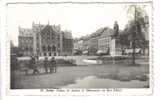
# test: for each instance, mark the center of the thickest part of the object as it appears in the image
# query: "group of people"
(49, 65)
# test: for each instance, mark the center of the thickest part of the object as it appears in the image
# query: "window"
(53, 48)
(49, 54)
(37, 45)
(49, 48)
(26, 48)
(44, 48)
(52, 37)
(55, 54)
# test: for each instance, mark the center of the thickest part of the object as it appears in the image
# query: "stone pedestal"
(115, 47)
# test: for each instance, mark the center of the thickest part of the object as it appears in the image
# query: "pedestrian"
(46, 64)
(31, 63)
(34, 65)
(53, 67)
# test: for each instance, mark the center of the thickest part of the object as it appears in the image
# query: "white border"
(37, 91)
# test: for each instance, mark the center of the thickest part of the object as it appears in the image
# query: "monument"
(115, 45)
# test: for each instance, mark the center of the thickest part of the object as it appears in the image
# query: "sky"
(80, 19)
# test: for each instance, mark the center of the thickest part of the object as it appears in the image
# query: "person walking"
(34, 66)
(31, 63)
(53, 67)
(46, 64)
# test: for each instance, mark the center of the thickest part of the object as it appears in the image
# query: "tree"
(138, 21)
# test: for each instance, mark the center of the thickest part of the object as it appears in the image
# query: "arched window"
(53, 48)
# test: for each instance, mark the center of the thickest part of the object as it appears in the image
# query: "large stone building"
(45, 40)
(67, 43)
(98, 42)
(104, 41)
(114, 42)
(25, 39)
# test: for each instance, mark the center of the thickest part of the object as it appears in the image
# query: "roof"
(40, 27)
(107, 32)
(25, 32)
(67, 35)
(47, 28)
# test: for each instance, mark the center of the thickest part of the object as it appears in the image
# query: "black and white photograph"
(79, 45)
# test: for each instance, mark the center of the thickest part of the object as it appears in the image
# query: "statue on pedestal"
(115, 41)
(116, 29)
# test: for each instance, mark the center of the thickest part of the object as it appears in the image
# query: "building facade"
(25, 39)
(67, 43)
(45, 40)
(97, 42)
(93, 45)
(104, 45)
(104, 42)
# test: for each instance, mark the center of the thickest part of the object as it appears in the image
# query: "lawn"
(68, 75)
